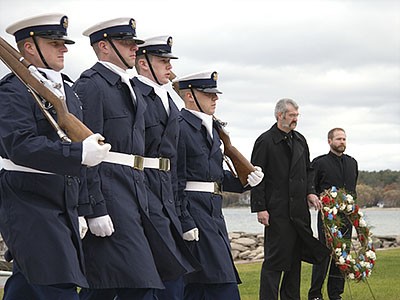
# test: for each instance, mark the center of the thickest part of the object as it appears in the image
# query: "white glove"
(101, 226)
(191, 235)
(92, 152)
(83, 228)
(255, 177)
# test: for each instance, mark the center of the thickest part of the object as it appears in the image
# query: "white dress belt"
(202, 186)
(137, 161)
(134, 161)
(8, 165)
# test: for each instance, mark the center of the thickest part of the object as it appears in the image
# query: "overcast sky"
(340, 60)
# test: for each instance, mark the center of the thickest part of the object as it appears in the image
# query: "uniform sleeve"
(28, 139)
(258, 201)
(186, 219)
(91, 98)
(231, 183)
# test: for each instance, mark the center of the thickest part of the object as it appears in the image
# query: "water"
(383, 221)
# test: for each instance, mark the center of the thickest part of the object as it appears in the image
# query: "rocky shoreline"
(246, 247)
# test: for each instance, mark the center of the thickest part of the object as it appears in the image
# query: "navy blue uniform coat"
(288, 180)
(124, 259)
(161, 140)
(200, 159)
(38, 212)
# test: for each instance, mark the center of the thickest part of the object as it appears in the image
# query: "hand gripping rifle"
(68, 127)
(241, 166)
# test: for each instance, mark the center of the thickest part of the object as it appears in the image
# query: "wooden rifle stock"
(241, 166)
(73, 127)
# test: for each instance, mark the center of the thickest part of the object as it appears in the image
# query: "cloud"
(340, 60)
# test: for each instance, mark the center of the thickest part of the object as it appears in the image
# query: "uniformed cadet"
(122, 263)
(42, 177)
(153, 64)
(200, 180)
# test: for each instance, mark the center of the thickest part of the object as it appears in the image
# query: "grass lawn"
(384, 281)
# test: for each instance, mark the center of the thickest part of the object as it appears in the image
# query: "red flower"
(325, 200)
(355, 223)
(343, 267)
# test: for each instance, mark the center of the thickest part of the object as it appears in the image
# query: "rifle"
(42, 88)
(241, 166)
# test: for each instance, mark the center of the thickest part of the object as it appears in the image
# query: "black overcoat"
(124, 259)
(38, 212)
(200, 159)
(161, 140)
(287, 181)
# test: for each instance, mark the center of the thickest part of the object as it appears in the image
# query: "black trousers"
(290, 285)
(18, 288)
(335, 286)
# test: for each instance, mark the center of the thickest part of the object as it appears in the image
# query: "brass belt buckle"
(138, 162)
(217, 188)
(164, 164)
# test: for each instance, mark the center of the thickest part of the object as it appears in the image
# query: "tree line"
(374, 188)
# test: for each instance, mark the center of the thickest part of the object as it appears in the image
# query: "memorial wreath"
(355, 261)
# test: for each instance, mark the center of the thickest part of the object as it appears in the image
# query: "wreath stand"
(354, 261)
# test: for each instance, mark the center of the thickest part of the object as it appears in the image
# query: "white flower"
(334, 194)
(349, 258)
(362, 223)
(370, 254)
(349, 198)
(326, 208)
(351, 276)
(344, 246)
(349, 208)
(360, 213)
(342, 260)
(342, 206)
(334, 211)
(338, 251)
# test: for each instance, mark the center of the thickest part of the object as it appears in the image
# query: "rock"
(239, 247)
(246, 241)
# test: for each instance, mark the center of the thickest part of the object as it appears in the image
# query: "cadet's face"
(207, 101)
(127, 49)
(162, 68)
(53, 52)
(338, 142)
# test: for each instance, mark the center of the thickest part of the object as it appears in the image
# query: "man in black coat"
(339, 170)
(282, 202)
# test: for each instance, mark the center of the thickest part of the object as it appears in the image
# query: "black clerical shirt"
(339, 171)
